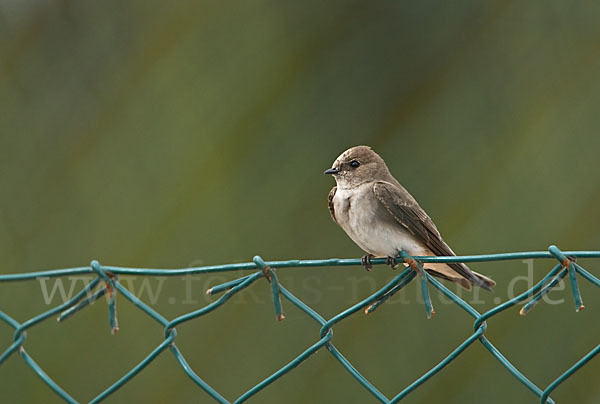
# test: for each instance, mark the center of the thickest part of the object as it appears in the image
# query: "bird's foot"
(366, 261)
(391, 261)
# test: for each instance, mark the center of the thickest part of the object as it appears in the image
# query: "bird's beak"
(331, 171)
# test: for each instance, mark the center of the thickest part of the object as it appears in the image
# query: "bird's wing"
(411, 216)
(330, 203)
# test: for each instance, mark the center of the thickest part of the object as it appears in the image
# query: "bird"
(383, 218)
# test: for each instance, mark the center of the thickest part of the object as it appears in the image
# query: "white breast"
(355, 212)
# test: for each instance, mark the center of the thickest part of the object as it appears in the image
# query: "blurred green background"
(150, 134)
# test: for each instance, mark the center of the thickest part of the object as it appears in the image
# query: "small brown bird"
(382, 218)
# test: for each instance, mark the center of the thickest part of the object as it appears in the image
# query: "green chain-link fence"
(108, 277)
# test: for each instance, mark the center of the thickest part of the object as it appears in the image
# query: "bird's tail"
(449, 273)
(490, 283)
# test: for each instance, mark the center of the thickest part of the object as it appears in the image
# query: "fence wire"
(106, 282)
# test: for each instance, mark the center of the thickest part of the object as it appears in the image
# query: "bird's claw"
(366, 261)
(391, 261)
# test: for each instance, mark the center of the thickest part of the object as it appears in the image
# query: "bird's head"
(357, 166)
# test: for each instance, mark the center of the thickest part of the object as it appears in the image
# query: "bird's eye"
(354, 163)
